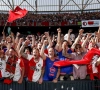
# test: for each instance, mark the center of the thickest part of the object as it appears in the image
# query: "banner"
(79, 23)
(54, 23)
(64, 23)
(72, 22)
(90, 23)
(44, 23)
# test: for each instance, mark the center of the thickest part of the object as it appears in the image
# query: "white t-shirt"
(72, 37)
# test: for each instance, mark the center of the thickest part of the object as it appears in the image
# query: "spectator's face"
(11, 52)
(35, 53)
(27, 51)
(46, 43)
(65, 45)
(78, 49)
(8, 39)
(51, 52)
(39, 46)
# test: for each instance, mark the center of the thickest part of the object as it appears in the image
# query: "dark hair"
(29, 48)
(66, 41)
(14, 50)
(77, 45)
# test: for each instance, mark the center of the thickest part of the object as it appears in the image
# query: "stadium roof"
(51, 5)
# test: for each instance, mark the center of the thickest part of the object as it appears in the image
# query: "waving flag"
(16, 14)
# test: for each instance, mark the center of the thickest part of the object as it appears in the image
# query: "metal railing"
(61, 85)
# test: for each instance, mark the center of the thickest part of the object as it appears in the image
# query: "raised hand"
(8, 39)
(46, 34)
(20, 40)
(81, 31)
(59, 30)
(27, 42)
(18, 34)
(70, 30)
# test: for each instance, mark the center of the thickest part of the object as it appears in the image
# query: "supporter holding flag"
(13, 66)
(79, 71)
(14, 70)
(93, 68)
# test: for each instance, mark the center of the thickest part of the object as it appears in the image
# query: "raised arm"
(17, 38)
(12, 36)
(68, 38)
(8, 48)
(53, 38)
(42, 51)
(9, 45)
(85, 41)
(58, 45)
(66, 54)
(49, 40)
(4, 36)
(21, 51)
(33, 41)
(99, 31)
(42, 38)
(77, 39)
(18, 46)
(97, 35)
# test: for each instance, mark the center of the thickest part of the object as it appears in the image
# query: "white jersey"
(94, 68)
(36, 69)
(16, 76)
(3, 66)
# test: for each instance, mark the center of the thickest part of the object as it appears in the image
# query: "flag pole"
(5, 26)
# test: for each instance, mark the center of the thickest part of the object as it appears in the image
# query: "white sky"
(51, 5)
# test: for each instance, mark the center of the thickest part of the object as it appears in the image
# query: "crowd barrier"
(61, 85)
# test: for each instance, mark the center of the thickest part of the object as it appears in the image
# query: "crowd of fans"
(33, 57)
(56, 17)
